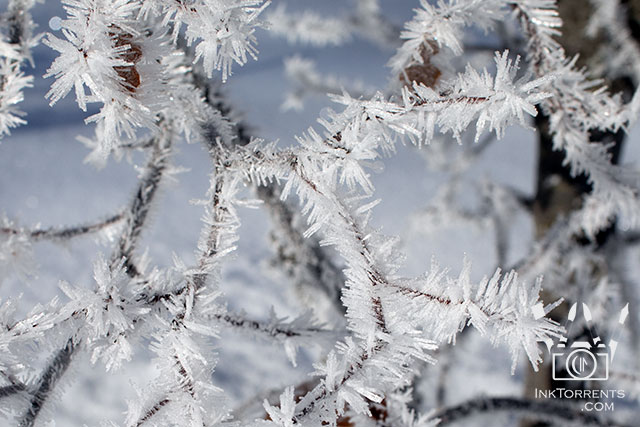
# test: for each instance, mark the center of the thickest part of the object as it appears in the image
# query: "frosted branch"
(609, 17)
(302, 259)
(222, 32)
(84, 309)
(370, 284)
(291, 334)
(142, 200)
(14, 50)
(576, 107)
(441, 24)
(185, 384)
(47, 382)
(312, 265)
(10, 390)
(64, 233)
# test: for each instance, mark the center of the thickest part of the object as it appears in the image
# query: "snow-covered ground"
(43, 180)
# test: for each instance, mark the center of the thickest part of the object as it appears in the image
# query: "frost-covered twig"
(13, 387)
(363, 276)
(10, 390)
(139, 209)
(441, 24)
(64, 233)
(312, 265)
(309, 264)
(184, 385)
(371, 284)
(14, 50)
(47, 382)
(111, 57)
(292, 333)
(221, 31)
(76, 310)
(12, 82)
(136, 215)
(20, 26)
(492, 102)
(275, 329)
(16, 243)
(623, 53)
(577, 107)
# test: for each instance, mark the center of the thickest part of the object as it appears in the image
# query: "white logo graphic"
(585, 360)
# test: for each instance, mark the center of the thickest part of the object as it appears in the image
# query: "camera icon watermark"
(580, 362)
(584, 360)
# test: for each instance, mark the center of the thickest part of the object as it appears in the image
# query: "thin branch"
(321, 392)
(209, 247)
(15, 385)
(289, 158)
(19, 23)
(274, 330)
(47, 382)
(135, 219)
(141, 204)
(152, 411)
(65, 233)
(140, 144)
(309, 263)
(314, 265)
(10, 390)
(375, 278)
(277, 331)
